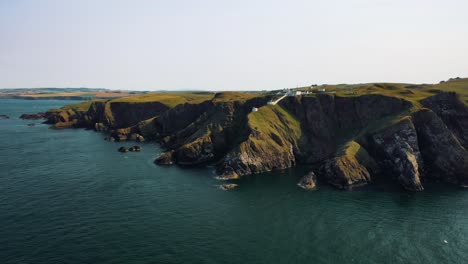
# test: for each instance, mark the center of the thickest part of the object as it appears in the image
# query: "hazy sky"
(229, 45)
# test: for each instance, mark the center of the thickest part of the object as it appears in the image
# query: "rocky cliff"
(352, 139)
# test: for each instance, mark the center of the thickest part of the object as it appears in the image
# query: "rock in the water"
(31, 124)
(33, 116)
(135, 149)
(136, 137)
(228, 186)
(308, 181)
(4, 117)
(123, 149)
(166, 158)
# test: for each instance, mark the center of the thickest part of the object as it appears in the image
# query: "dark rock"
(165, 158)
(443, 154)
(308, 181)
(33, 116)
(451, 109)
(4, 117)
(31, 124)
(100, 127)
(136, 137)
(398, 149)
(135, 149)
(123, 149)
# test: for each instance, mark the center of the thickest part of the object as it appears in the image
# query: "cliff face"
(206, 132)
(353, 139)
(444, 155)
(398, 152)
(328, 121)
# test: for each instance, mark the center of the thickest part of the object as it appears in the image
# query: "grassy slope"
(273, 127)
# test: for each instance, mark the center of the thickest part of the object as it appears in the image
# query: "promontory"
(352, 134)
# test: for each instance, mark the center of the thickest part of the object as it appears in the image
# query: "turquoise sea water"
(67, 196)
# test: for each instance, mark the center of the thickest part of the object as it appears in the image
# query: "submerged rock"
(31, 124)
(308, 181)
(4, 117)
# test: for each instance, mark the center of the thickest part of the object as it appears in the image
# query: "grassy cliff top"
(410, 92)
(169, 99)
(234, 96)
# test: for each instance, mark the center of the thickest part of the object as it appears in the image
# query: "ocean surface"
(68, 196)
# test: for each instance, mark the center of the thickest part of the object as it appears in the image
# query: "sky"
(229, 45)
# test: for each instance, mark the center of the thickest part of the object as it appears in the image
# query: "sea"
(68, 196)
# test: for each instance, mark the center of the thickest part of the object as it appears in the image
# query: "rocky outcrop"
(348, 169)
(398, 151)
(165, 158)
(272, 144)
(308, 181)
(205, 132)
(228, 186)
(444, 156)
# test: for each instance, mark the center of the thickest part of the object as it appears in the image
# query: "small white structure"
(294, 93)
(254, 109)
(322, 90)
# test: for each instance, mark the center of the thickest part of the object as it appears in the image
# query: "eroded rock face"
(272, 144)
(399, 151)
(199, 151)
(442, 152)
(324, 118)
(308, 181)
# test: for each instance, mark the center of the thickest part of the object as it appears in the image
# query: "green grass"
(234, 96)
(168, 99)
(273, 125)
(459, 86)
(81, 107)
